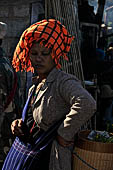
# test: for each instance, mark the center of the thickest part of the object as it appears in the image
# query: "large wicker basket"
(90, 155)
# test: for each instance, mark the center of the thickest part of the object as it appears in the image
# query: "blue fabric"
(100, 54)
(25, 108)
(21, 156)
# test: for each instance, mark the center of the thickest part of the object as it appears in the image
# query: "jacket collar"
(50, 78)
(52, 75)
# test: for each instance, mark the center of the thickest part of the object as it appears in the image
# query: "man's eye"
(45, 53)
(33, 53)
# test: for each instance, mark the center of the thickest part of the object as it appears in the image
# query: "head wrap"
(49, 33)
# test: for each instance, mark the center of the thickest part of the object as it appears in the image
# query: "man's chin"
(39, 71)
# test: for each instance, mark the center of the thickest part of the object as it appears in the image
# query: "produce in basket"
(101, 136)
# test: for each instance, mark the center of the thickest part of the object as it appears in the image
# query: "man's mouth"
(38, 66)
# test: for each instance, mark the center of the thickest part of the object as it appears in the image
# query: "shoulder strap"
(27, 102)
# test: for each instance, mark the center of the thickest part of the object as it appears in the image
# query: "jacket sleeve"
(82, 107)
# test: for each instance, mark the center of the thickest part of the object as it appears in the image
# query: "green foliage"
(101, 138)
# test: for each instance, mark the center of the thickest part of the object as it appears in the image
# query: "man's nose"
(39, 57)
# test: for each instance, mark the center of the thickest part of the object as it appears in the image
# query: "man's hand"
(16, 127)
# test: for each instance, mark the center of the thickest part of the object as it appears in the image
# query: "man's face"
(41, 59)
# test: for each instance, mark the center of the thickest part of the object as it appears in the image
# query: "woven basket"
(90, 155)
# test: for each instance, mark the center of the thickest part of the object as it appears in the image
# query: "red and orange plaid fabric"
(50, 33)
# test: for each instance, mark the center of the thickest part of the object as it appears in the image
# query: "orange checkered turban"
(50, 33)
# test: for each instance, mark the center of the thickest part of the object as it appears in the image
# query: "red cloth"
(50, 33)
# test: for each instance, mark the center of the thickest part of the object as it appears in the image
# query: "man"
(8, 83)
(57, 105)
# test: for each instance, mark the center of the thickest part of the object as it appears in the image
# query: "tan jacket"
(62, 94)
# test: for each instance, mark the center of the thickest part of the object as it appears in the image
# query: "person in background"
(109, 52)
(7, 90)
(57, 104)
(3, 29)
(106, 107)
